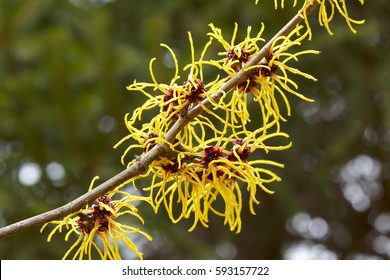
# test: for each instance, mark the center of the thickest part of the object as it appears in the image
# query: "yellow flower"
(166, 101)
(176, 98)
(171, 102)
(99, 221)
(146, 138)
(235, 56)
(327, 10)
(210, 178)
(265, 80)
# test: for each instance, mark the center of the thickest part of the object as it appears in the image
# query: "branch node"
(140, 166)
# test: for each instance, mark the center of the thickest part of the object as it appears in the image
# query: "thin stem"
(160, 150)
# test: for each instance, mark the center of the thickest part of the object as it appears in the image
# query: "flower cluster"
(209, 140)
(268, 77)
(98, 230)
(172, 101)
(217, 155)
(211, 178)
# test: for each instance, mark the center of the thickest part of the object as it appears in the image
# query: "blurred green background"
(64, 66)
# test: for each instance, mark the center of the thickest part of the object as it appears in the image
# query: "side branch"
(159, 150)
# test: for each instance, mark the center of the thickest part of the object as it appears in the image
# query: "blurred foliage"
(64, 66)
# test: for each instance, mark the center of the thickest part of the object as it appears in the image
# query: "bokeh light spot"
(29, 173)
